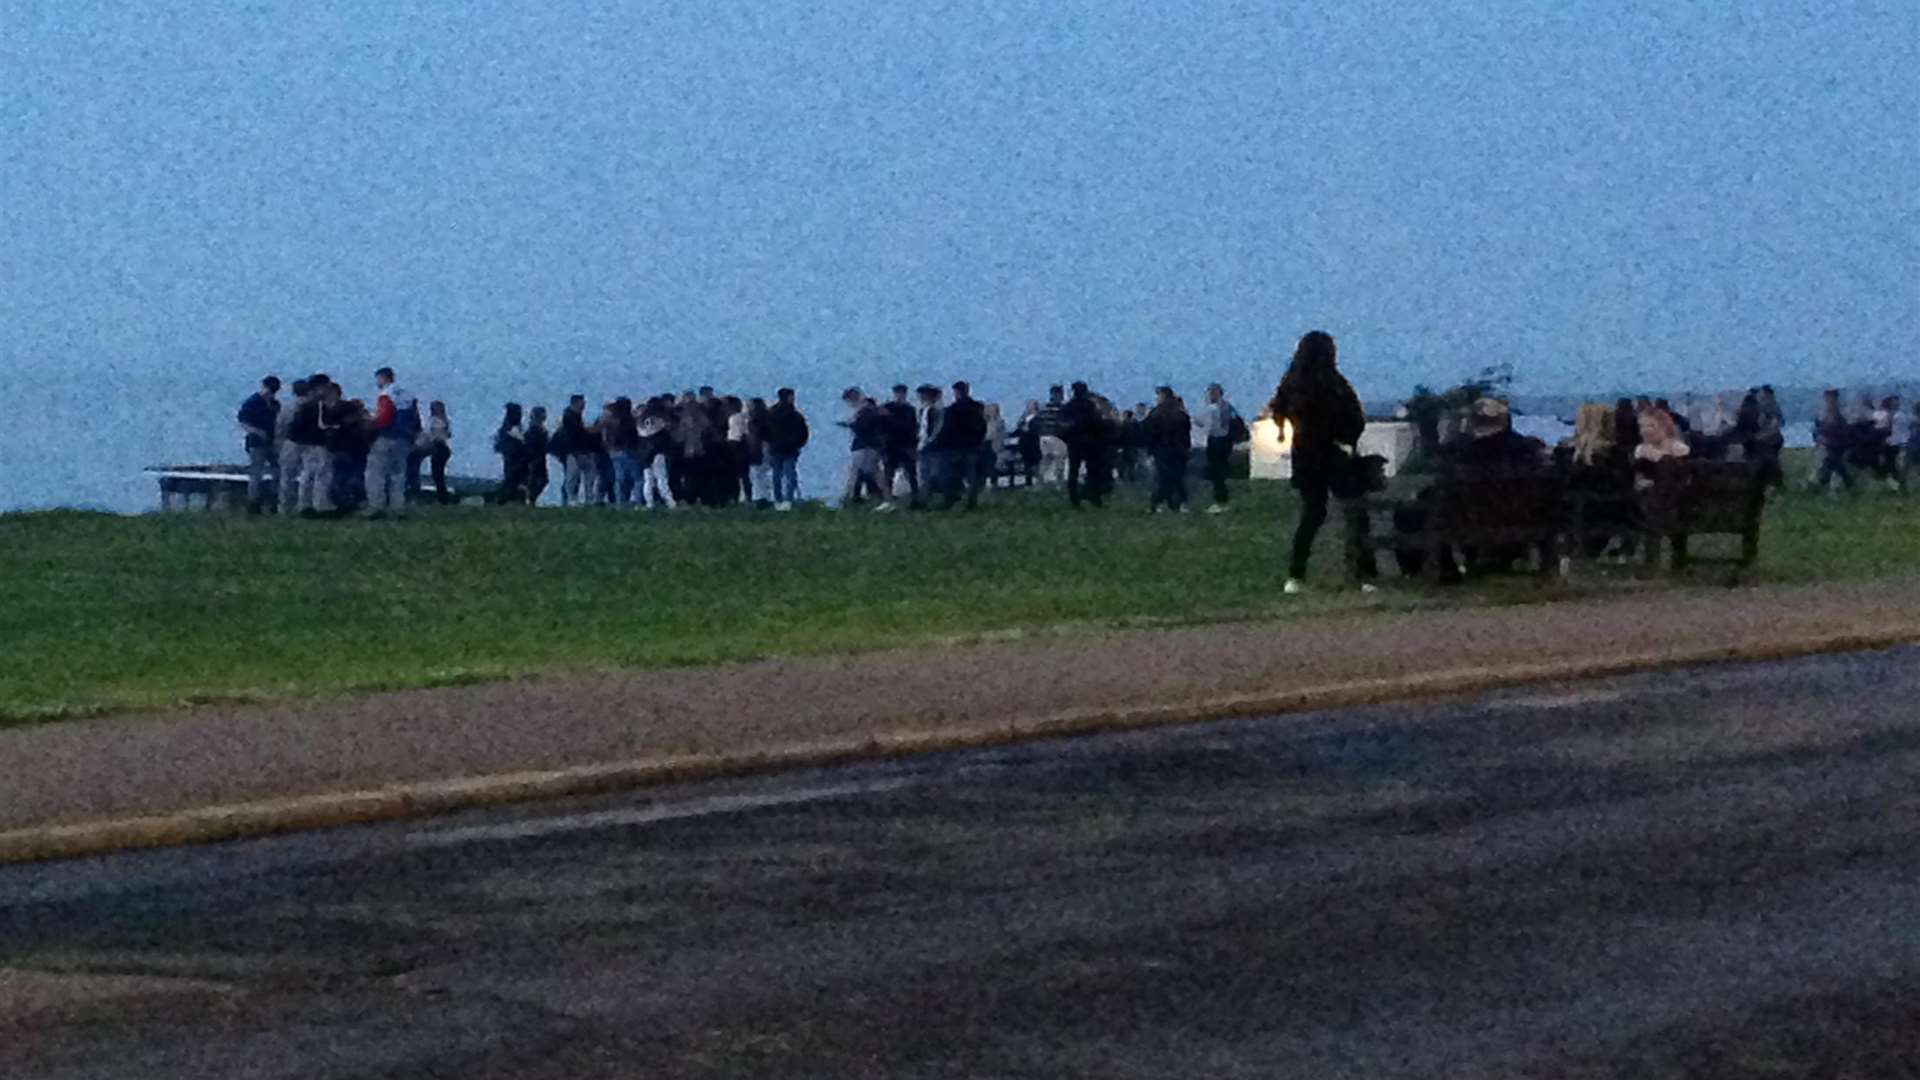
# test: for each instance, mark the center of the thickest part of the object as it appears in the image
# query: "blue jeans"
(627, 472)
(786, 476)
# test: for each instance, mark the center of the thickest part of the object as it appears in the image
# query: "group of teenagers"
(324, 453)
(926, 447)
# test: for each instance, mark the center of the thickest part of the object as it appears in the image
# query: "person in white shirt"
(1216, 418)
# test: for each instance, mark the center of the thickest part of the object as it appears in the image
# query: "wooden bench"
(1466, 508)
(1703, 498)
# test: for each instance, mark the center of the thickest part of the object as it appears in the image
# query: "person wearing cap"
(1218, 418)
(396, 427)
(260, 418)
(1491, 440)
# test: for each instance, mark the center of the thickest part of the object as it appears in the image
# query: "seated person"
(1660, 440)
(1599, 473)
(1488, 442)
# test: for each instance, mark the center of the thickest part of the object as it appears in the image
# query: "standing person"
(996, 444)
(620, 437)
(1027, 431)
(395, 425)
(656, 432)
(259, 418)
(1080, 424)
(963, 433)
(509, 441)
(867, 426)
(694, 439)
(1833, 437)
(1054, 461)
(439, 447)
(787, 435)
(308, 432)
(289, 451)
(349, 439)
(534, 445)
(1326, 419)
(929, 453)
(1913, 443)
(902, 453)
(579, 450)
(738, 485)
(1168, 435)
(1223, 428)
(1886, 421)
(759, 470)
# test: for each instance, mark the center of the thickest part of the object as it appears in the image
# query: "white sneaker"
(1294, 587)
(1217, 508)
(783, 507)
(1369, 587)
(884, 508)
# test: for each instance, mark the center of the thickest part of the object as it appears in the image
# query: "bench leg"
(1749, 547)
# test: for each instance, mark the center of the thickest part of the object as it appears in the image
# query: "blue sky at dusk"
(526, 193)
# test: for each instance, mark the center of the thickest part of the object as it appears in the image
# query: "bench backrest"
(1498, 499)
(1690, 496)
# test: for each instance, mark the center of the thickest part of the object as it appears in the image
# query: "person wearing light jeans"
(396, 425)
(316, 457)
(288, 451)
(259, 418)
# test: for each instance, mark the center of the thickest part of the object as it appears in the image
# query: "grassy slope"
(105, 612)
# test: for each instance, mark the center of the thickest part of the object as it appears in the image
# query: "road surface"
(1529, 884)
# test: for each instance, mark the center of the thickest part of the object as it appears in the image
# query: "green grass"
(105, 612)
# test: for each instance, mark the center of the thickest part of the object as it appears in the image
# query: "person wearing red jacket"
(396, 426)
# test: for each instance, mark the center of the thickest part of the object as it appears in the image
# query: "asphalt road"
(1502, 886)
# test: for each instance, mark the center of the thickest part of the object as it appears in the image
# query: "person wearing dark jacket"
(534, 442)
(787, 435)
(308, 431)
(579, 450)
(509, 441)
(1086, 432)
(963, 431)
(1318, 404)
(902, 453)
(259, 417)
(1167, 434)
(868, 428)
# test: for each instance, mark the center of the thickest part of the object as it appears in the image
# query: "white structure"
(1272, 452)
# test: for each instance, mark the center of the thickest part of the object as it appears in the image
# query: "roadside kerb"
(413, 800)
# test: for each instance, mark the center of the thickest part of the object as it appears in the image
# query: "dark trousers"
(962, 470)
(437, 457)
(1219, 454)
(1099, 473)
(536, 481)
(905, 461)
(1170, 478)
(1314, 497)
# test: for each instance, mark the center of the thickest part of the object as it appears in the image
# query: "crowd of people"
(325, 452)
(935, 448)
(921, 448)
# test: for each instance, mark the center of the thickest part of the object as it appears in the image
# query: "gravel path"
(150, 763)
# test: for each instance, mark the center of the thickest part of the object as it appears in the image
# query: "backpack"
(406, 423)
(1237, 431)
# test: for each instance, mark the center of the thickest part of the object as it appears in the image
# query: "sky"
(519, 198)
